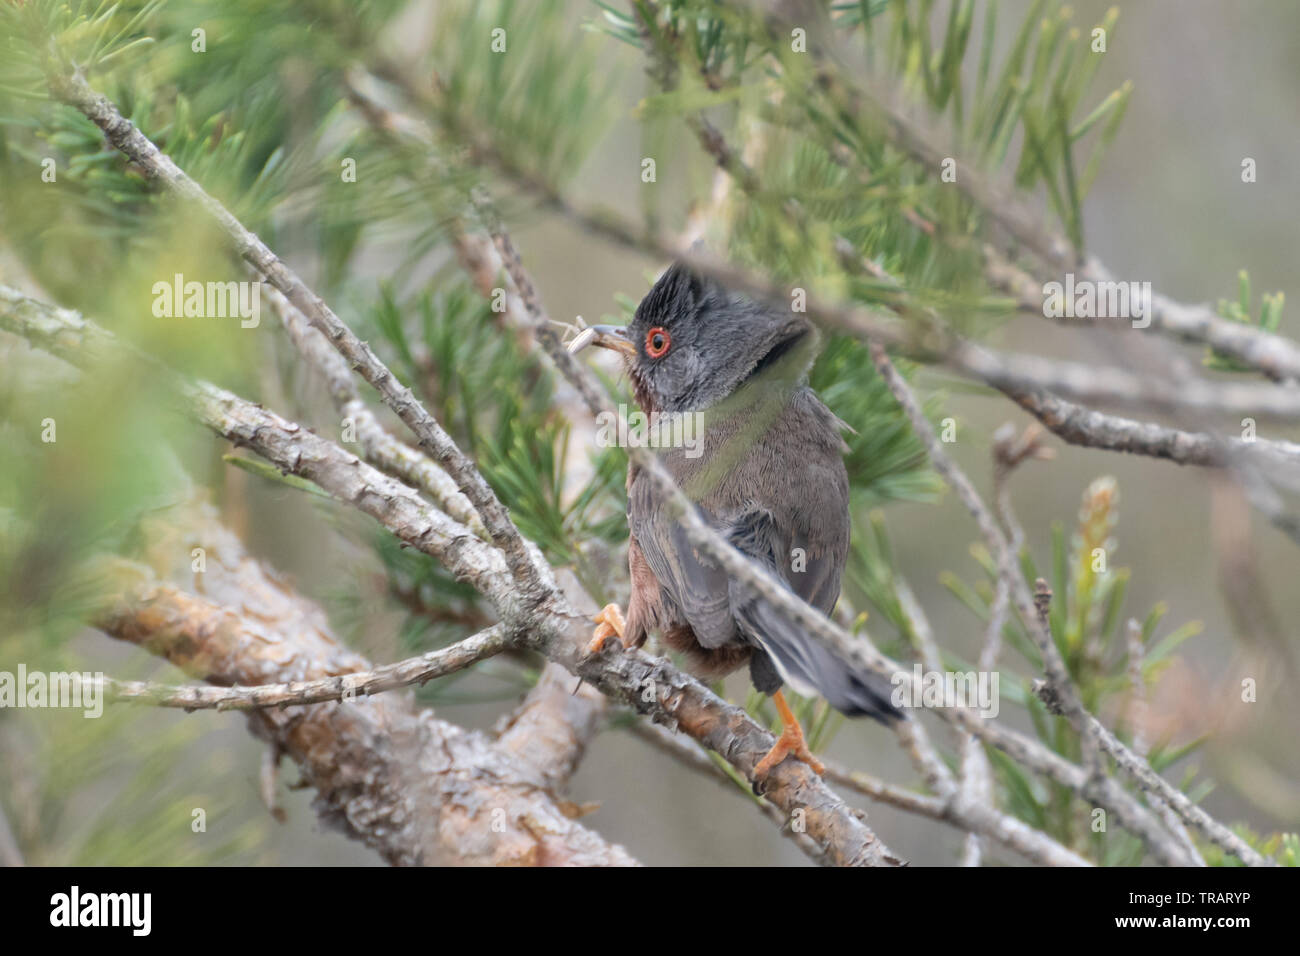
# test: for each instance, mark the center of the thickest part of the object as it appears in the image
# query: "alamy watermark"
(1086, 299)
(132, 911)
(208, 300)
(54, 689)
(655, 430)
(977, 690)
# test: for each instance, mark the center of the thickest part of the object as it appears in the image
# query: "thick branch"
(416, 789)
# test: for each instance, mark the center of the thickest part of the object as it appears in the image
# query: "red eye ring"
(657, 342)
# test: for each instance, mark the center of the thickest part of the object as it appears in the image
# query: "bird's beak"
(612, 337)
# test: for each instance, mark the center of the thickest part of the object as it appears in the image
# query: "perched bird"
(768, 475)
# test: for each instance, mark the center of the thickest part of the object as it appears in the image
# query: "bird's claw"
(789, 744)
(609, 622)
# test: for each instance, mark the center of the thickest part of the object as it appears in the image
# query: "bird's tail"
(812, 668)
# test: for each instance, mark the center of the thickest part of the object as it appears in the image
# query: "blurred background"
(1212, 83)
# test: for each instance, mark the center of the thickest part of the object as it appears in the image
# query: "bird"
(767, 474)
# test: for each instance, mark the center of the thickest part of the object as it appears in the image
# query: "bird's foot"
(609, 623)
(791, 743)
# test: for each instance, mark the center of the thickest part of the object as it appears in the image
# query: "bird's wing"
(696, 586)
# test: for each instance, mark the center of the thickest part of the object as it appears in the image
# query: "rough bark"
(416, 789)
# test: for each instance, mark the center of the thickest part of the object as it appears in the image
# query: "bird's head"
(692, 343)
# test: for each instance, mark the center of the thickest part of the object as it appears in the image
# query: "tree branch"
(413, 670)
(73, 90)
(418, 790)
(555, 629)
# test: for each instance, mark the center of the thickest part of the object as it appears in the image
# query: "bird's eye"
(657, 341)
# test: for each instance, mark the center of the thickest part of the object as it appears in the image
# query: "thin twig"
(1097, 783)
(413, 670)
(379, 446)
(973, 817)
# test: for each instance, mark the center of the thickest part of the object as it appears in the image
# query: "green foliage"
(95, 36)
(886, 460)
(1284, 848)
(1085, 618)
(142, 813)
(531, 96)
(1037, 90)
(720, 59)
(1270, 314)
(261, 120)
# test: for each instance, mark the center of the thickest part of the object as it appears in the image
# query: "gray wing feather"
(694, 585)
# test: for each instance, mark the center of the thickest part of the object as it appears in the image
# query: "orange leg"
(790, 743)
(610, 622)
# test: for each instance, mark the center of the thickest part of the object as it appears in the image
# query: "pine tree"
(895, 169)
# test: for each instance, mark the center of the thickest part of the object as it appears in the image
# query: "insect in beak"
(612, 337)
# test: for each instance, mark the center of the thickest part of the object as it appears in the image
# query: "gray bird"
(768, 475)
